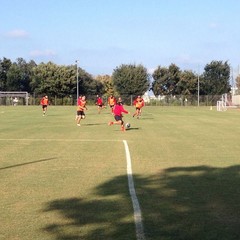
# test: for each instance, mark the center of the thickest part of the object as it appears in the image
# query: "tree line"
(126, 79)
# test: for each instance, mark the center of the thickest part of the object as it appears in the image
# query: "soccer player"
(44, 102)
(138, 103)
(80, 110)
(118, 109)
(112, 102)
(78, 103)
(99, 103)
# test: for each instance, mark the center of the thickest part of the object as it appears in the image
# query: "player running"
(44, 102)
(112, 102)
(118, 109)
(80, 110)
(138, 103)
(100, 104)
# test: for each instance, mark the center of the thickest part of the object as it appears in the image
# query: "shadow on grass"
(177, 203)
(132, 128)
(95, 124)
(27, 163)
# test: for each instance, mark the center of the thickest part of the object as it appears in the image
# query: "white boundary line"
(59, 140)
(135, 203)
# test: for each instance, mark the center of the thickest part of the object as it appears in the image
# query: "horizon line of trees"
(126, 79)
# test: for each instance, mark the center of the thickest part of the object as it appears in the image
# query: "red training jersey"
(44, 101)
(118, 110)
(81, 105)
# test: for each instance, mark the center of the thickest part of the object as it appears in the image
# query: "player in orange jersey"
(138, 103)
(112, 102)
(44, 102)
(80, 110)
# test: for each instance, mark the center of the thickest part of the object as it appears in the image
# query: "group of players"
(116, 106)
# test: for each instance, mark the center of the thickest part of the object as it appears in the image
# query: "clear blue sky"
(103, 34)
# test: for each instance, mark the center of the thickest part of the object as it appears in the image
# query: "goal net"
(14, 98)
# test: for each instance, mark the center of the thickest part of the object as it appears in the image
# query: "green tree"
(5, 65)
(166, 80)
(131, 79)
(44, 79)
(187, 84)
(215, 79)
(19, 75)
(107, 82)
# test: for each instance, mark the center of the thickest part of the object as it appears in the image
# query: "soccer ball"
(127, 125)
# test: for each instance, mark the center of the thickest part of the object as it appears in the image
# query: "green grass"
(63, 182)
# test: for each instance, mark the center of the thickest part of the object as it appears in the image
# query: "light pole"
(198, 86)
(77, 79)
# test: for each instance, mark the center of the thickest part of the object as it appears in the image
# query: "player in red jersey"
(80, 110)
(99, 103)
(44, 102)
(117, 111)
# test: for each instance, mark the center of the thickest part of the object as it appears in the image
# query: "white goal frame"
(13, 95)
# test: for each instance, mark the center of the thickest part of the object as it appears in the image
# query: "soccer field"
(63, 182)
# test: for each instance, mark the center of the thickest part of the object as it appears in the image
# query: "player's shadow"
(146, 118)
(95, 124)
(132, 128)
(197, 203)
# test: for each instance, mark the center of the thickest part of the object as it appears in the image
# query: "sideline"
(59, 139)
(135, 203)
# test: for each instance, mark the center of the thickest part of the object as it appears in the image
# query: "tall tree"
(44, 79)
(19, 75)
(166, 80)
(5, 65)
(131, 79)
(187, 84)
(107, 82)
(216, 78)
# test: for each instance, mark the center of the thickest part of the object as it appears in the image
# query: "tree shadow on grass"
(177, 203)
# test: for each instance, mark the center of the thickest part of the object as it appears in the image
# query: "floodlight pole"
(198, 86)
(77, 79)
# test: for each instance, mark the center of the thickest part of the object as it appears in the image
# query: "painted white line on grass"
(136, 207)
(59, 139)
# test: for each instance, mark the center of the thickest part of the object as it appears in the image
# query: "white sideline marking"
(135, 203)
(58, 139)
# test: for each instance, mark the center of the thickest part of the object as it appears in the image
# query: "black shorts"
(44, 106)
(100, 105)
(111, 106)
(80, 113)
(118, 118)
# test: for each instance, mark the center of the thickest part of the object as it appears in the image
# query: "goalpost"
(14, 98)
(226, 102)
(222, 104)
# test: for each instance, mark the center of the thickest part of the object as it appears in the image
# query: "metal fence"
(192, 100)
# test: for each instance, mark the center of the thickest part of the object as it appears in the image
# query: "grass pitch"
(60, 181)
